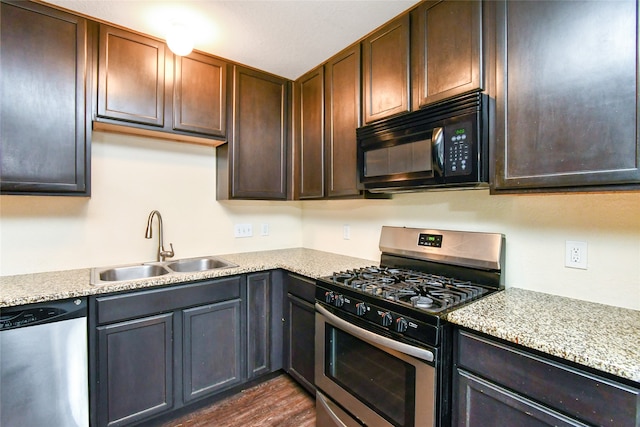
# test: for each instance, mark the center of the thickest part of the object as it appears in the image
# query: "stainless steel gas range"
(383, 346)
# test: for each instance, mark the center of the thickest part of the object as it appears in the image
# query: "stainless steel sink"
(101, 276)
(188, 265)
(132, 272)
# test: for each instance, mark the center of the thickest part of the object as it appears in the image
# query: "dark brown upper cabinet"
(385, 59)
(309, 138)
(342, 117)
(445, 50)
(253, 165)
(45, 132)
(200, 95)
(131, 77)
(144, 89)
(566, 96)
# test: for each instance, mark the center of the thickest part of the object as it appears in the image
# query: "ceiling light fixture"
(180, 39)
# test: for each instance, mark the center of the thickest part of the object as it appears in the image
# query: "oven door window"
(383, 382)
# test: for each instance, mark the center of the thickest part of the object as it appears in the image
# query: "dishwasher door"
(43, 365)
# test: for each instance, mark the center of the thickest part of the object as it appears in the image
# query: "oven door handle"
(372, 337)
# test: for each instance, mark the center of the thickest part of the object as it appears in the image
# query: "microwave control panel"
(458, 156)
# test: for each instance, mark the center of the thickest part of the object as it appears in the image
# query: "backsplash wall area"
(133, 175)
(536, 228)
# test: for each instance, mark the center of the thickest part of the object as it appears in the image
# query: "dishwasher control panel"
(36, 314)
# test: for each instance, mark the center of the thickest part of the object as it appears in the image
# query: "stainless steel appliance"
(43, 365)
(443, 145)
(383, 347)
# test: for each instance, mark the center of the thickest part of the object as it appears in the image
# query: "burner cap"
(421, 301)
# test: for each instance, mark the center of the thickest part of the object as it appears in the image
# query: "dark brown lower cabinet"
(158, 350)
(498, 384)
(299, 326)
(137, 369)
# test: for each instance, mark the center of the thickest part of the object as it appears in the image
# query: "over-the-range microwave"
(439, 146)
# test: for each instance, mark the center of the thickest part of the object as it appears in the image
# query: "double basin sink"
(105, 275)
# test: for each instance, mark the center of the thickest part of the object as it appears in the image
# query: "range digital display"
(431, 240)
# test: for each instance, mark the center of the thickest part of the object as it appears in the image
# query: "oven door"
(377, 380)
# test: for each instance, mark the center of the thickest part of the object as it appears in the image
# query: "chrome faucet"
(162, 253)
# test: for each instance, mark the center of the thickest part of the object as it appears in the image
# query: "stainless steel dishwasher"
(43, 365)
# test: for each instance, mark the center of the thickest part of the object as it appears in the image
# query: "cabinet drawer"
(576, 393)
(120, 307)
(302, 287)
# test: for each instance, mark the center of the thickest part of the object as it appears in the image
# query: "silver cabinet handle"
(418, 352)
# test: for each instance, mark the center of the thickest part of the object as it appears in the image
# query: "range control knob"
(401, 324)
(329, 297)
(338, 300)
(361, 309)
(386, 319)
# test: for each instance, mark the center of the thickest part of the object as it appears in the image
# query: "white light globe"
(180, 40)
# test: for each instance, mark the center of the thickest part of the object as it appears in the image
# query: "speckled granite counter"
(40, 287)
(599, 336)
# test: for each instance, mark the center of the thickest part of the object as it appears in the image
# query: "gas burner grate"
(419, 290)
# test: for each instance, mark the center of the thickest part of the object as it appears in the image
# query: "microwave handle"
(437, 149)
(363, 334)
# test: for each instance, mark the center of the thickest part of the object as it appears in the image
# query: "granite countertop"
(595, 335)
(599, 336)
(41, 287)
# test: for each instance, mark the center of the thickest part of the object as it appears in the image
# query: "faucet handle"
(166, 254)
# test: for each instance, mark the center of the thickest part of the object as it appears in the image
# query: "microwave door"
(421, 156)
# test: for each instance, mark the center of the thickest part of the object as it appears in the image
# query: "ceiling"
(283, 37)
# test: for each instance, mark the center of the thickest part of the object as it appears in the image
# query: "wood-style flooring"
(277, 402)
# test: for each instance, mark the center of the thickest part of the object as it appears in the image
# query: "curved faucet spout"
(162, 252)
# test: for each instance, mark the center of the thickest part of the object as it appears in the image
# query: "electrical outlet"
(242, 230)
(576, 255)
(346, 232)
(265, 230)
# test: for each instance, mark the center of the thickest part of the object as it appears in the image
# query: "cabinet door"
(445, 50)
(211, 348)
(385, 56)
(135, 367)
(480, 403)
(259, 140)
(45, 132)
(566, 100)
(300, 339)
(343, 116)
(309, 135)
(259, 324)
(200, 95)
(131, 77)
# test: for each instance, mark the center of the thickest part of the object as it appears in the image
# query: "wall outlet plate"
(576, 255)
(242, 230)
(265, 229)
(346, 232)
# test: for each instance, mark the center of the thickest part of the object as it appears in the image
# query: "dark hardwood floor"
(277, 402)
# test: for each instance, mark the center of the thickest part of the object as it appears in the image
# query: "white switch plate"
(576, 255)
(346, 232)
(242, 230)
(265, 230)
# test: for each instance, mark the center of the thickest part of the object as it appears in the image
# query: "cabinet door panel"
(481, 403)
(259, 323)
(386, 70)
(135, 365)
(447, 50)
(211, 353)
(200, 95)
(300, 336)
(131, 79)
(259, 168)
(343, 117)
(44, 139)
(567, 94)
(309, 138)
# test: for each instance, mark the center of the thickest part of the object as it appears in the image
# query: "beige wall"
(536, 228)
(133, 175)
